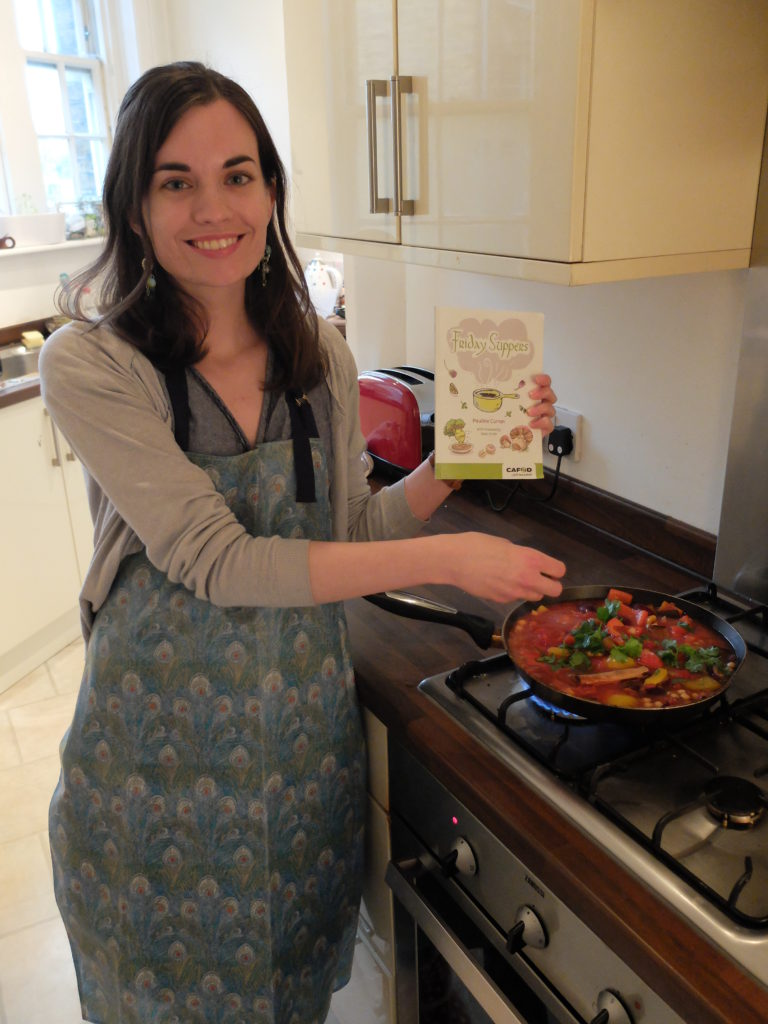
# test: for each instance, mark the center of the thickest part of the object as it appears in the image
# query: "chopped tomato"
(669, 608)
(650, 660)
(618, 595)
(635, 616)
(615, 626)
(569, 640)
(600, 663)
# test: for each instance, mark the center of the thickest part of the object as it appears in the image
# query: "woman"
(206, 829)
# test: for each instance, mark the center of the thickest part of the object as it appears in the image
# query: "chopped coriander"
(607, 611)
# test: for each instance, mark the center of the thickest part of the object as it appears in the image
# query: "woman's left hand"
(542, 411)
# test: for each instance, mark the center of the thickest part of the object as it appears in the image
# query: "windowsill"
(29, 250)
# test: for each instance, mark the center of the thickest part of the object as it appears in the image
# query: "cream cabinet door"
(489, 133)
(333, 47)
(40, 577)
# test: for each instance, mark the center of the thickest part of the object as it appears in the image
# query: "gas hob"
(684, 809)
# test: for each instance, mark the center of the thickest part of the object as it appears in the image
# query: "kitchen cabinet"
(557, 140)
(46, 536)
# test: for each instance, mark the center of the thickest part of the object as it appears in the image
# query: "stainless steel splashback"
(741, 559)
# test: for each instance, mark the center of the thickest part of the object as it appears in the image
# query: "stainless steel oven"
(479, 938)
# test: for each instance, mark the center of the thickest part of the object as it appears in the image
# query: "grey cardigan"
(110, 404)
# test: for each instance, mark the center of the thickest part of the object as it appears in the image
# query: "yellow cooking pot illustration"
(490, 399)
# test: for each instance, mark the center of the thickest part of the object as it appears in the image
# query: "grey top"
(213, 430)
(110, 403)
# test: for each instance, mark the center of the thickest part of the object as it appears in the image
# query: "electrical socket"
(567, 418)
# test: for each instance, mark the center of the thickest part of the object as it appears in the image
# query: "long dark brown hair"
(170, 326)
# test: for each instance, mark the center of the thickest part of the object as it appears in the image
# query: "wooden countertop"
(391, 656)
(20, 390)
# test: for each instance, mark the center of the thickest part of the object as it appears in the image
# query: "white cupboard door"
(333, 48)
(490, 133)
(675, 128)
(77, 501)
(40, 574)
(376, 909)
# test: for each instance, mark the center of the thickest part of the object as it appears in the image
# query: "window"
(63, 72)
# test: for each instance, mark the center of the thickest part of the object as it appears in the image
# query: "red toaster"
(397, 414)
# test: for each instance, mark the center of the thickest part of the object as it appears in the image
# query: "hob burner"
(557, 714)
(735, 802)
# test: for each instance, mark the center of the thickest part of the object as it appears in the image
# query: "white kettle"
(324, 283)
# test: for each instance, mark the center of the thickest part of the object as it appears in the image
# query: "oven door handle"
(448, 944)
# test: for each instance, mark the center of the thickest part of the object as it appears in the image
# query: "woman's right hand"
(483, 565)
(497, 570)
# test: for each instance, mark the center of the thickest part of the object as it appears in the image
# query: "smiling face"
(207, 208)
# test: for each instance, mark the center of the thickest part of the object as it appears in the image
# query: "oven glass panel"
(443, 998)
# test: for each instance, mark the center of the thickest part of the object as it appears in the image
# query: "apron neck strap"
(176, 382)
(303, 427)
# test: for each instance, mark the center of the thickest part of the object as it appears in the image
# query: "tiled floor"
(37, 979)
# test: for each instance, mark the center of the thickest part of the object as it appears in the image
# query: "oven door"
(452, 963)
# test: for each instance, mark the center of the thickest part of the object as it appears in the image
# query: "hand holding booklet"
(484, 366)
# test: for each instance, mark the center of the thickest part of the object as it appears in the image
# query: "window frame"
(21, 171)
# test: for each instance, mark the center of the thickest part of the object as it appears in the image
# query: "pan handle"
(410, 606)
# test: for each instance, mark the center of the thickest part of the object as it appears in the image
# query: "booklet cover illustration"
(484, 364)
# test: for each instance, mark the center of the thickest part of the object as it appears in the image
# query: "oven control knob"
(461, 860)
(611, 1009)
(528, 930)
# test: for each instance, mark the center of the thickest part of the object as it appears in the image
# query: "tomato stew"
(617, 652)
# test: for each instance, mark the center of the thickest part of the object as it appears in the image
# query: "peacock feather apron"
(206, 830)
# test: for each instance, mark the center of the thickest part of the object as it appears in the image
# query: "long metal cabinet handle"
(56, 460)
(452, 949)
(374, 87)
(399, 85)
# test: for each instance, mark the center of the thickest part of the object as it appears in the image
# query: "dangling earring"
(151, 280)
(264, 264)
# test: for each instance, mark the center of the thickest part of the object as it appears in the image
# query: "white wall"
(650, 364)
(242, 39)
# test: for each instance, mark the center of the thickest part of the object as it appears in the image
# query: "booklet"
(484, 364)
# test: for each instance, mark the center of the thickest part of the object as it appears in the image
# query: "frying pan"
(484, 634)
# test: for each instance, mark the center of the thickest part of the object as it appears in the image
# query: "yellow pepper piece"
(621, 662)
(622, 700)
(701, 684)
(559, 652)
(656, 678)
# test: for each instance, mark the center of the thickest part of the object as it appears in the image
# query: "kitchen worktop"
(392, 654)
(19, 389)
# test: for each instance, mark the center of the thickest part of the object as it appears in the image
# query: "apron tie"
(303, 427)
